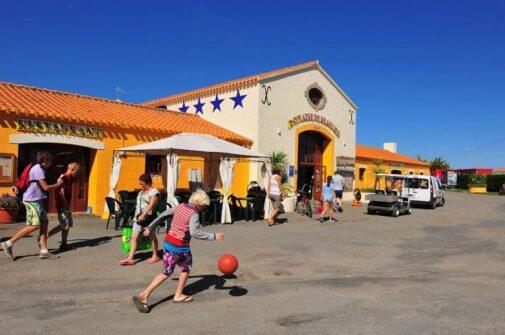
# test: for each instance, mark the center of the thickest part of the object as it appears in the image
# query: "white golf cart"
(388, 197)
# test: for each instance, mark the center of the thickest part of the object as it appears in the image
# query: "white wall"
(243, 121)
(287, 97)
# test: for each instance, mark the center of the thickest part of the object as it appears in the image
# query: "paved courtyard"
(435, 272)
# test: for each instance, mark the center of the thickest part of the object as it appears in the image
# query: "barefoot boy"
(177, 251)
(63, 200)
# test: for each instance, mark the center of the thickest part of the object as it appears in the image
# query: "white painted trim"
(58, 139)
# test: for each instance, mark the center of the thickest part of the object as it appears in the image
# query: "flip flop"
(127, 262)
(142, 307)
(154, 260)
(184, 300)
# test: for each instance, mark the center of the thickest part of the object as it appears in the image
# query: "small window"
(315, 96)
(362, 174)
(154, 164)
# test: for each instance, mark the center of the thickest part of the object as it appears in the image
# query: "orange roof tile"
(31, 102)
(226, 86)
(366, 152)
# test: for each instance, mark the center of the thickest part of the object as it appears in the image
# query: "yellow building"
(392, 163)
(87, 129)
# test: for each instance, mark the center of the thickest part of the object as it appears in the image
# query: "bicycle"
(303, 201)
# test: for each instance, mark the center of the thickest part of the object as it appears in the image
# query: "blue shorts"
(339, 193)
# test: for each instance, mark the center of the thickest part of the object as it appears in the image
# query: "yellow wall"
(131, 168)
(368, 181)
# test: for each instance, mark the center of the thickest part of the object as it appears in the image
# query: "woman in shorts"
(144, 215)
(274, 192)
(327, 198)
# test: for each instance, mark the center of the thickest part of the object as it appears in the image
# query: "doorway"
(311, 146)
(63, 154)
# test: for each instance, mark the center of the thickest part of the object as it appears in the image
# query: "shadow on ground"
(204, 283)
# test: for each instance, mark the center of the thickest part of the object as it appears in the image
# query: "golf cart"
(388, 199)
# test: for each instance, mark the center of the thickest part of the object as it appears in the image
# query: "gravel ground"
(434, 272)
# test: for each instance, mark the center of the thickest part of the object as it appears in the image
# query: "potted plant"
(478, 184)
(9, 208)
(289, 202)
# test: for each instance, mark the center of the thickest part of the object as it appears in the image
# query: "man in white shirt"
(338, 184)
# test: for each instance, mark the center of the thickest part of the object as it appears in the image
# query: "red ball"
(227, 264)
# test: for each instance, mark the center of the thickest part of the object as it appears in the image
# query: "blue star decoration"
(199, 106)
(238, 99)
(216, 103)
(184, 108)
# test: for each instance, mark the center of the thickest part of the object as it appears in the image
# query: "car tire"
(442, 202)
(409, 211)
(396, 212)
(433, 204)
(370, 211)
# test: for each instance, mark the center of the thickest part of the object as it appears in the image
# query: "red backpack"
(24, 179)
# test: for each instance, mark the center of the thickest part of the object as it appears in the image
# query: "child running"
(63, 199)
(327, 197)
(34, 199)
(176, 247)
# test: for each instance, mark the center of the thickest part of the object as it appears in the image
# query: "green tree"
(279, 160)
(378, 168)
(439, 163)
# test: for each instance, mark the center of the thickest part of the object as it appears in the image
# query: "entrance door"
(311, 145)
(62, 155)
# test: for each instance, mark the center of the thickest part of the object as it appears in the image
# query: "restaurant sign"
(310, 117)
(58, 128)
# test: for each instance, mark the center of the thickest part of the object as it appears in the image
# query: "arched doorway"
(312, 146)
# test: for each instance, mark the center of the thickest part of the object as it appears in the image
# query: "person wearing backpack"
(34, 187)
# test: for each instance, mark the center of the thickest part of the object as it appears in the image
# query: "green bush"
(494, 182)
(478, 180)
(463, 181)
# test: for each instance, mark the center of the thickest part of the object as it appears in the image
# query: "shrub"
(495, 182)
(477, 180)
(9, 203)
(463, 181)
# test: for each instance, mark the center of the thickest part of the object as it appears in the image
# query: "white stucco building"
(299, 110)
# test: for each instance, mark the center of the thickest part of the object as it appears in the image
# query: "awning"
(193, 143)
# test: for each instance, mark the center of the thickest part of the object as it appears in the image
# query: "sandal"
(154, 260)
(184, 300)
(127, 262)
(141, 306)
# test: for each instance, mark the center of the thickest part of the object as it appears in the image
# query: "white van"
(423, 190)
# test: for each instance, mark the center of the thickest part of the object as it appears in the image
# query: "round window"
(316, 97)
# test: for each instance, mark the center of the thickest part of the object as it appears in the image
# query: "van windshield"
(416, 183)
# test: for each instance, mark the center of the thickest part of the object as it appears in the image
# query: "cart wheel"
(396, 212)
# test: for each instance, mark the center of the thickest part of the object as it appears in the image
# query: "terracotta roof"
(31, 102)
(363, 151)
(226, 86)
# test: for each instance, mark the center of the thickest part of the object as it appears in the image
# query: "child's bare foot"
(182, 299)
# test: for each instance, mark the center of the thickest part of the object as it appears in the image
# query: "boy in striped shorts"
(176, 248)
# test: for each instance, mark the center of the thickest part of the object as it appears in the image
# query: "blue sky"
(429, 75)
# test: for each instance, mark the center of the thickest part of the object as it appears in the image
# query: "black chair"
(118, 214)
(237, 209)
(161, 206)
